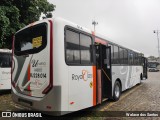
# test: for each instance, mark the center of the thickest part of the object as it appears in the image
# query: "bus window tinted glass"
(111, 52)
(5, 60)
(31, 40)
(125, 56)
(72, 47)
(121, 55)
(116, 55)
(130, 54)
(85, 44)
(136, 59)
(140, 59)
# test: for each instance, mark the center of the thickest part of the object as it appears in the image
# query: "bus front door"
(104, 78)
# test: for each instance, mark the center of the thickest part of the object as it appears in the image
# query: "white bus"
(61, 66)
(5, 69)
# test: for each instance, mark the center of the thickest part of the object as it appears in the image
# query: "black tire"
(116, 91)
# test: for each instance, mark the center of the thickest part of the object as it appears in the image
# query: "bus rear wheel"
(117, 91)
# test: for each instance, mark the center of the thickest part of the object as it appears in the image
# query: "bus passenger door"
(144, 60)
(104, 79)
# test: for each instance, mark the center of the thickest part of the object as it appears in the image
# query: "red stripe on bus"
(98, 40)
(94, 86)
(93, 33)
(49, 87)
(29, 74)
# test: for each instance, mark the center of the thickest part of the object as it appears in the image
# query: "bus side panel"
(135, 77)
(5, 78)
(60, 68)
(80, 87)
(129, 75)
(122, 73)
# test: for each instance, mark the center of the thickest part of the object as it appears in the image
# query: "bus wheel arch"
(117, 90)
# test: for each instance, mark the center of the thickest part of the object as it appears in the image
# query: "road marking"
(121, 98)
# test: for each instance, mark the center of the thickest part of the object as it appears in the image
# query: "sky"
(128, 22)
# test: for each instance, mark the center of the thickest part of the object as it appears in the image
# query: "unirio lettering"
(38, 75)
(34, 63)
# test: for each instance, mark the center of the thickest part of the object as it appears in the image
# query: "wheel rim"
(117, 91)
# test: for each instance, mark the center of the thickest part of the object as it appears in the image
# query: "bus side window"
(131, 59)
(111, 53)
(85, 43)
(126, 56)
(136, 58)
(72, 47)
(78, 48)
(116, 55)
(121, 56)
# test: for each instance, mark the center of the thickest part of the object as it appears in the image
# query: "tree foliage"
(15, 14)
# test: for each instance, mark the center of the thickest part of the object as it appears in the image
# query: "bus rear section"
(32, 66)
(5, 69)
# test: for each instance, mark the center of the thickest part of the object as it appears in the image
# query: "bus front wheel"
(117, 91)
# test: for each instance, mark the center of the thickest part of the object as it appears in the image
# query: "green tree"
(15, 14)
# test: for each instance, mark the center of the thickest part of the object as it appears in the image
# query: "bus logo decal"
(84, 76)
(34, 63)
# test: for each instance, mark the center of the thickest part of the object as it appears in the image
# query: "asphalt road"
(143, 97)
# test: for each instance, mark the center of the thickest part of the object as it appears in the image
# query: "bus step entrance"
(103, 63)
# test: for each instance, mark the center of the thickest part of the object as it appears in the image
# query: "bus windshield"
(31, 40)
(5, 60)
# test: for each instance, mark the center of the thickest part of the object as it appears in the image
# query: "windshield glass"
(153, 66)
(5, 60)
(31, 40)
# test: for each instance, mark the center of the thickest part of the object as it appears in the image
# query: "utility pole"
(94, 23)
(157, 32)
